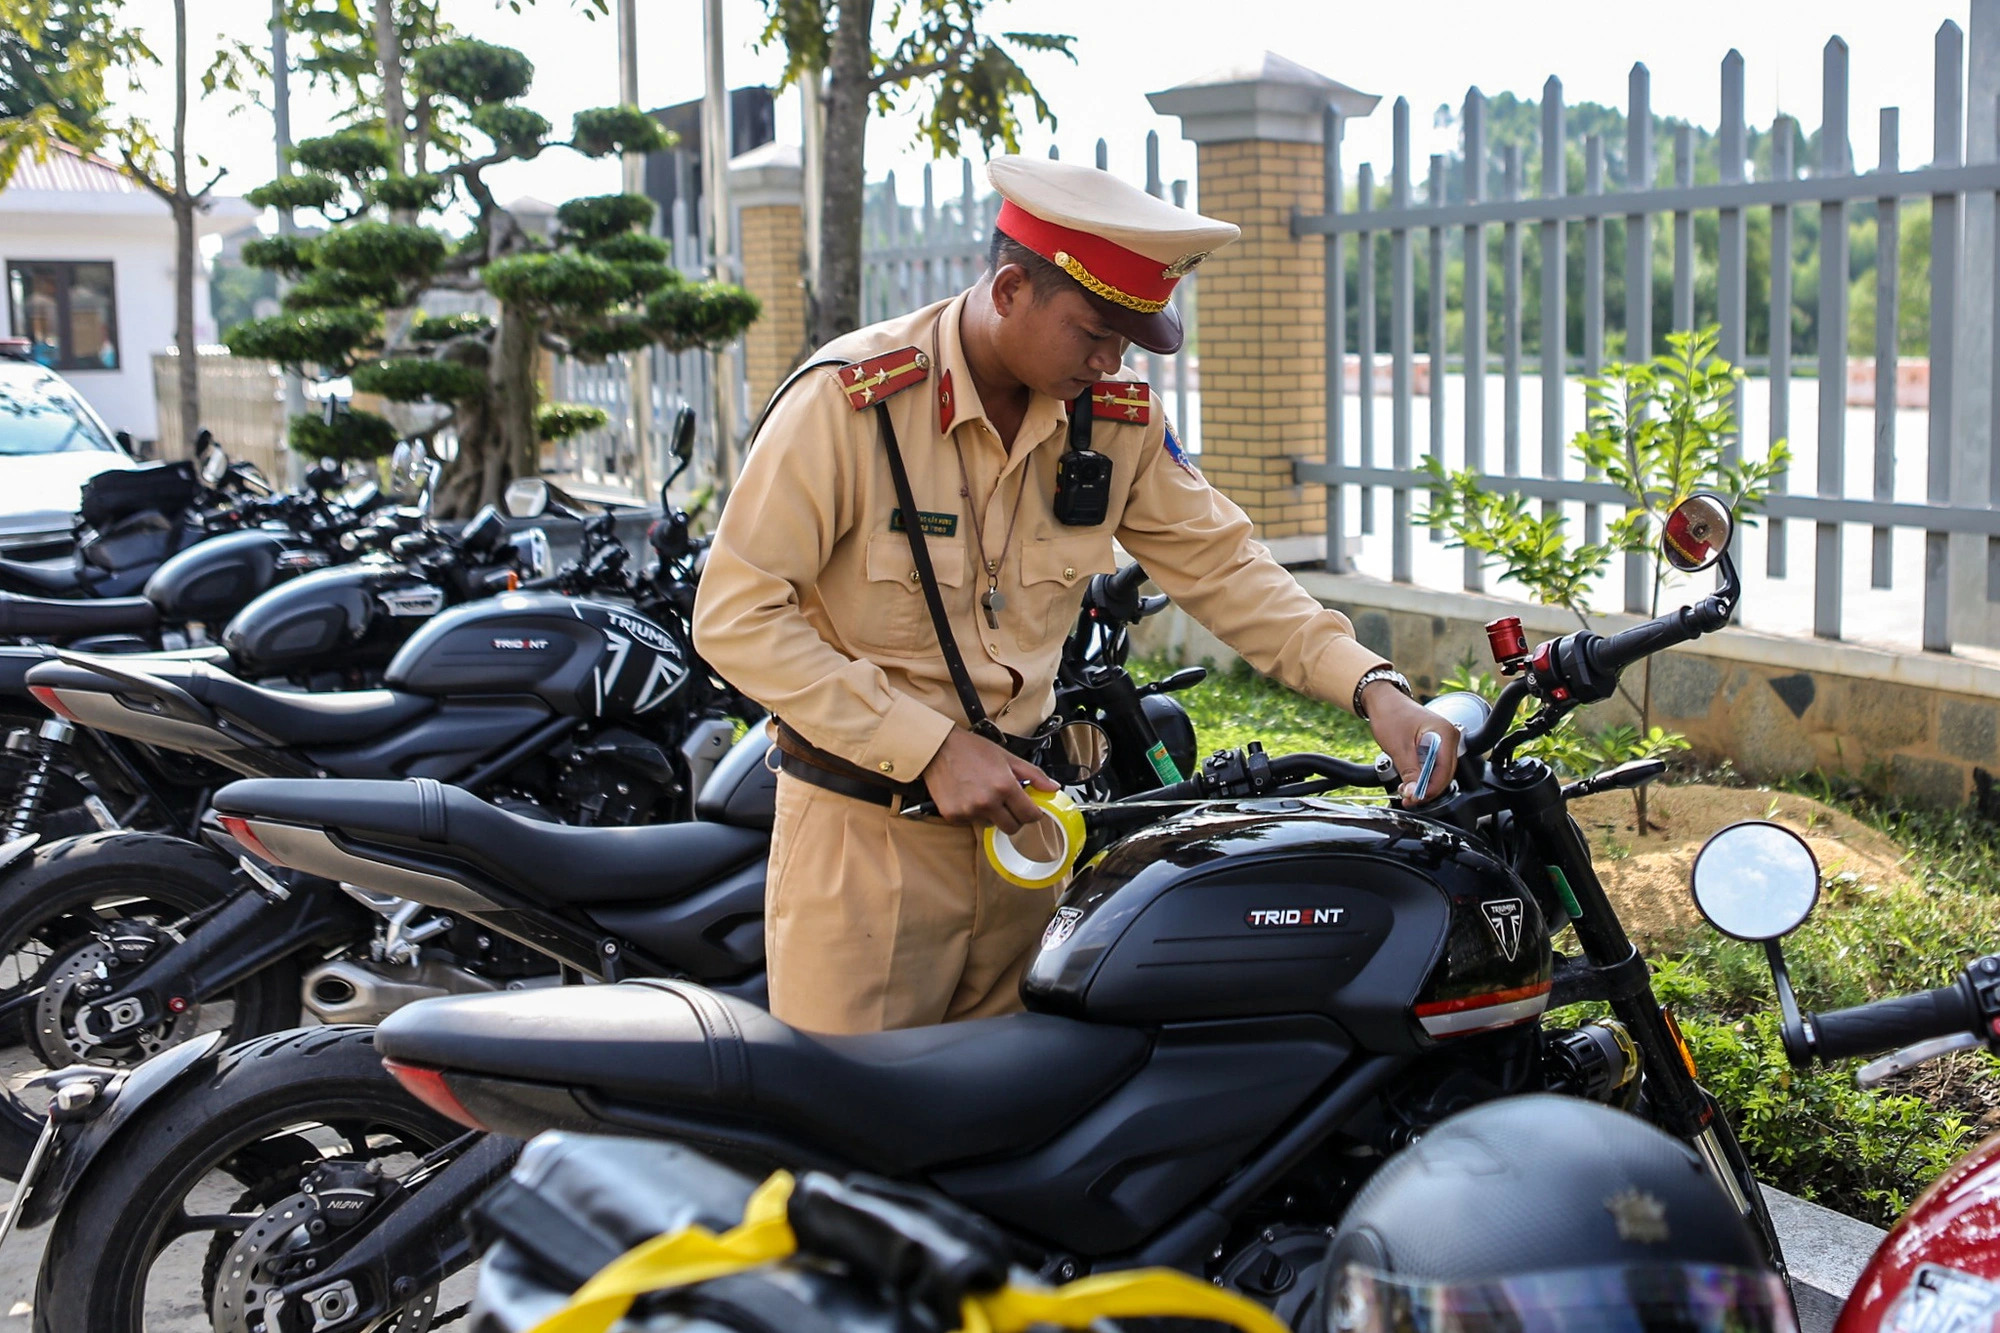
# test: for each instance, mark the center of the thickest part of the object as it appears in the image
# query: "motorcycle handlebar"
(1284, 768)
(1618, 651)
(1117, 594)
(1887, 1025)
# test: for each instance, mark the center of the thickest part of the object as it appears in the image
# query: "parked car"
(51, 442)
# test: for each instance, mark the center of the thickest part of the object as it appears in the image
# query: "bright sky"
(1429, 52)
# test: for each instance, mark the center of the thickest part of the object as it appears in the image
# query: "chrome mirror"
(525, 497)
(1756, 881)
(1697, 533)
(1077, 753)
(214, 462)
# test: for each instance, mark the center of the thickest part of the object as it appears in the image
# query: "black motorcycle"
(1251, 999)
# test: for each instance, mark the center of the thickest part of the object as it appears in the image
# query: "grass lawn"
(1811, 1132)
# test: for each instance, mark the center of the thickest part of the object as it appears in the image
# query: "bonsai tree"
(601, 285)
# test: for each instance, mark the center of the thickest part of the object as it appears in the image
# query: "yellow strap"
(1139, 1293)
(681, 1259)
(697, 1254)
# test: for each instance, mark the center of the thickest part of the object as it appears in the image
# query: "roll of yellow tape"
(1026, 867)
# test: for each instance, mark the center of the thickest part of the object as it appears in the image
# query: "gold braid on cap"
(1090, 282)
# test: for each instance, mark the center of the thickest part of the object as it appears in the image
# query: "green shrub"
(699, 314)
(598, 217)
(411, 193)
(618, 129)
(631, 247)
(404, 251)
(328, 338)
(513, 129)
(558, 281)
(411, 379)
(559, 421)
(611, 336)
(289, 255)
(353, 434)
(350, 153)
(324, 289)
(308, 189)
(443, 328)
(473, 72)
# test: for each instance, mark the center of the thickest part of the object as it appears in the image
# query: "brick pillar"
(765, 185)
(1260, 303)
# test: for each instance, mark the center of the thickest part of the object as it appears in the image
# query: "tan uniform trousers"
(874, 921)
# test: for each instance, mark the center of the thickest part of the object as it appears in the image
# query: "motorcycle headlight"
(531, 548)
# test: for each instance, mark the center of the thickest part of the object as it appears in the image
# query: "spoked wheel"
(229, 1187)
(74, 918)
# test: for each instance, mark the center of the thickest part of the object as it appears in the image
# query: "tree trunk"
(389, 60)
(496, 439)
(843, 158)
(183, 204)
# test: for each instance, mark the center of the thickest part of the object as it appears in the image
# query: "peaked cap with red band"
(1119, 243)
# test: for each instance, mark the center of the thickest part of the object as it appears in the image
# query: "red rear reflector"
(237, 827)
(428, 1086)
(53, 702)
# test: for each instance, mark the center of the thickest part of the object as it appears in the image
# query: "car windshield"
(40, 414)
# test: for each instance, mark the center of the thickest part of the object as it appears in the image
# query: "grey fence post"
(1593, 307)
(1638, 280)
(1510, 330)
(1887, 316)
(1402, 350)
(1555, 305)
(1832, 341)
(1684, 231)
(1732, 276)
(1783, 131)
(1336, 349)
(1475, 312)
(1364, 341)
(1435, 336)
(1947, 134)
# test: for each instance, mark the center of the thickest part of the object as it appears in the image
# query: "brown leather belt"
(809, 764)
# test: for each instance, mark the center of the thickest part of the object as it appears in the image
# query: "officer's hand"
(973, 781)
(1398, 722)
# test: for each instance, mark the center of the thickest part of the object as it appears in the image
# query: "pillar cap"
(1265, 97)
(768, 175)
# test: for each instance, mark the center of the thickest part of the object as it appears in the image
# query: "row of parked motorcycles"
(368, 852)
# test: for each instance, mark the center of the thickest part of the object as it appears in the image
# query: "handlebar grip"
(1126, 581)
(1887, 1025)
(1617, 651)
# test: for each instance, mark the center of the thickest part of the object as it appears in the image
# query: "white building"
(87, 262)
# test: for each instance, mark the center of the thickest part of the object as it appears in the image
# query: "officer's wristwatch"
(1369, 677)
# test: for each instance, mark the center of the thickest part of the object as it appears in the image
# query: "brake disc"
(60, 1040)
(263, 1259)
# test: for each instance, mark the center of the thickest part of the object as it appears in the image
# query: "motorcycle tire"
(251, 1121)
(47, 906)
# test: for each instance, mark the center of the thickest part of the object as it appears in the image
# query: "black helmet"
(1544, 1213)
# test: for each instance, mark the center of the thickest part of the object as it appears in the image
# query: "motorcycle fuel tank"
(351, 615)
(584, 659)
(214, 579)
(1938, 1270)
(1400, 930)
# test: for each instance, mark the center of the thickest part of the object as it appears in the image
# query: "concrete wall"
(1917, 725)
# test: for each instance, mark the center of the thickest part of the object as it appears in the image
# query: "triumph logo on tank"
(1061, 926)
(1267, 918)
(650, 635)
(1504, 916)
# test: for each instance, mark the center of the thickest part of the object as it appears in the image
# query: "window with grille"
(66, 310)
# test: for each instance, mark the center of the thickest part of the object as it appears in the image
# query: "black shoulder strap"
(1081, 413)
(779, 392)
(961, 679)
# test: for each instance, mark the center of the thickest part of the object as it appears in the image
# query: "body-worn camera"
(1083, 488)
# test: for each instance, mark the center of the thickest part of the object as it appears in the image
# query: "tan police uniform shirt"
(810, 603)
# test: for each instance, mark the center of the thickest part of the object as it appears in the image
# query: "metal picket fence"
(1353, 469)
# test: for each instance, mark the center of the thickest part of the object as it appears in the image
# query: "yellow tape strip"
(697, 1254)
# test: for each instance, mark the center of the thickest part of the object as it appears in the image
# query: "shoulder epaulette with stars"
(1129, 401)
(867, 383)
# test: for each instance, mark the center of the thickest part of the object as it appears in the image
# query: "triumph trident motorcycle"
(1251, 998)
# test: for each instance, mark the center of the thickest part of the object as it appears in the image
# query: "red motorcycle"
(1938, 1270)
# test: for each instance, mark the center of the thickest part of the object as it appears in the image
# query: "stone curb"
(1825, 1251)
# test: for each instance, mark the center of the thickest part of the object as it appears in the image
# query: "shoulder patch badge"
(1129, 401)
(1178, 452)
(867, 383)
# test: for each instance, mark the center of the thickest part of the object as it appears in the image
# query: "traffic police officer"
(812, 603)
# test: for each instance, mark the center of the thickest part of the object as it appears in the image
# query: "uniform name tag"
(932, 525)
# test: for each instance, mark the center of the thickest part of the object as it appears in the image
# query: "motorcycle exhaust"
(345, 991)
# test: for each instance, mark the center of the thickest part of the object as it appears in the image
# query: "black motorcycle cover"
(110, 496)
(576, 1202)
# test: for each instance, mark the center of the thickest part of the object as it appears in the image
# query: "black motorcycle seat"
(48, 578)
(556, 863)
(17, 659)
(73, 617)
(895, 1102)
(287, 717)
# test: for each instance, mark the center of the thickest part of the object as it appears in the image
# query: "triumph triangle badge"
(1504, 917)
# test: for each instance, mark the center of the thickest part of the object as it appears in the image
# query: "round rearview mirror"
(1697, 532)
(1079, 752)
(525, 497)
(683, 443)
(214, 465)
(403, 479)
(1756, 881)
(1462, 708)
